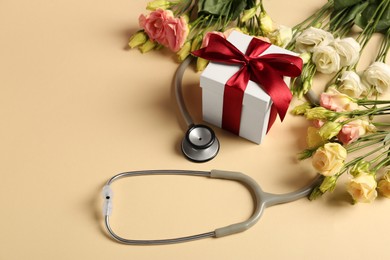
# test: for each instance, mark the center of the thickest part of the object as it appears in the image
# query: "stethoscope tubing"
(178, 79)
(262, 200)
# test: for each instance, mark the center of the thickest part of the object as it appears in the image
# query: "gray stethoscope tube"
(262, 200)
(199, 143)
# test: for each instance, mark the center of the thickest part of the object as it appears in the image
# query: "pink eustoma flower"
(161, 26)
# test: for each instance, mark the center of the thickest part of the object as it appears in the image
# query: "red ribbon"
(266, 70)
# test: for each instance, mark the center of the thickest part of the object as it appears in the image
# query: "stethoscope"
(200, 144)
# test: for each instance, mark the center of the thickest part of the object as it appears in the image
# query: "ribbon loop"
(266, 70)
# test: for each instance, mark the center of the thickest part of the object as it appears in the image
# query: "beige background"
(77, 107)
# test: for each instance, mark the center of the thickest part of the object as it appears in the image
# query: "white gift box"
(256, 105)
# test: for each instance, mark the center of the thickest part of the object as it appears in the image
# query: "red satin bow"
(266, 70)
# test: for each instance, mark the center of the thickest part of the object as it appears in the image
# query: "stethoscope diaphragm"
(200, 143)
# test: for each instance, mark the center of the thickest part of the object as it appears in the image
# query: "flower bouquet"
(349, 132)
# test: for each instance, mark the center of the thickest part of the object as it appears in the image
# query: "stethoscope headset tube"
(200, 143)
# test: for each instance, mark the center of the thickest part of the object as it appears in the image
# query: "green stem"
(364, 102)
(337, 20)
(380, 124)
(375, 150)
(369, 137)
(354, 149)
(378, 157)
(370, 28)
(382, 163)
(384, 48)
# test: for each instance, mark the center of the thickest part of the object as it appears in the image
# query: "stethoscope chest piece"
(200, 144)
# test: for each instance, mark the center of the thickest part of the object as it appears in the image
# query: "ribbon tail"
(272, 117)
(274, 85)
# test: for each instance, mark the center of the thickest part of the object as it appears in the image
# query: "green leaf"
(229, 8)
(306, 154)
(384, 23)
(346, 15)
(341, 4)
(354, 11)
(238, 7)
(363, 18)
(250, 4)
(360, 20)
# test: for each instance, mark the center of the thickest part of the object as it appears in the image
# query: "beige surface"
(77, 107)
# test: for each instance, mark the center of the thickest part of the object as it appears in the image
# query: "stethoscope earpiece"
(200, 143)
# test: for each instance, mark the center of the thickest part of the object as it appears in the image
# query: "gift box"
(256, 103)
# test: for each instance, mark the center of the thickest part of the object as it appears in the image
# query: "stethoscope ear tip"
(200, 144)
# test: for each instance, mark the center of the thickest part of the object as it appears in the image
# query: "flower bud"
(315, 194)
(330, 129)
(184, 52)
(248, 14)
(370, 128)
(359, 168)
(306, 57)
(266, 23)
(201, 64)
(317, 25)
(186, 18)
(147, 46)
(197, 42)
(281, 37)
(328, 184)
(301, 109)
(138, 39)
(319, 113)
(158, 4)
(307, 85)
(313, 138)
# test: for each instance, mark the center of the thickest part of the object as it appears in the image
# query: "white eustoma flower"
(377, 76)
(312, 38)
(348, 49)
(351, 85)
(326, 59)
